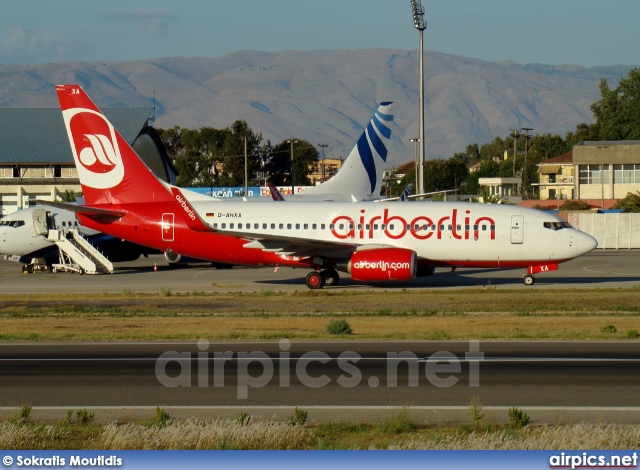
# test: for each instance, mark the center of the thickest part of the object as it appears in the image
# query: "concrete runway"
(347, 380)
(602, 268)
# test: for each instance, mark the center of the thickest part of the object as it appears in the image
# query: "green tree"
(617, 112)
(231, 153)
(278, 163)
(630, 203)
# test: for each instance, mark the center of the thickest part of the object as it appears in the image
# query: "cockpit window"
(557, 225)
(12, 223)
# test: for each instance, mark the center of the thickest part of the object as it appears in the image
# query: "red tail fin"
(110, 171)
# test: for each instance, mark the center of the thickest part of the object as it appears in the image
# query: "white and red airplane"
(372, 242)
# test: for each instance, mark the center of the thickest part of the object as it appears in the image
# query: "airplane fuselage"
(441, 234)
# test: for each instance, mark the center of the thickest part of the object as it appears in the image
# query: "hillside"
(326, 96)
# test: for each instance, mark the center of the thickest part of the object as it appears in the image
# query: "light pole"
(246, 172)
(415, 156)
(602, 175)
(420, 25)
(526, 154)
(292, 185)
(324, 146)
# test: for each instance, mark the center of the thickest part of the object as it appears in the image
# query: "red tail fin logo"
(95, 148)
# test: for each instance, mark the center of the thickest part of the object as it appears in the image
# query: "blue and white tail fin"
(361, 173)
(405, 194)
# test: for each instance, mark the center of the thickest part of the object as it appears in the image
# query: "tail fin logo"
(95, 148)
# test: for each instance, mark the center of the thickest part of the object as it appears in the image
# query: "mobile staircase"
(77, 254)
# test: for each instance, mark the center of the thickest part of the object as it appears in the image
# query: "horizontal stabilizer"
(85, 210)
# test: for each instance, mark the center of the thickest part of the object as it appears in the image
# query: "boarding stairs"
(77, 254)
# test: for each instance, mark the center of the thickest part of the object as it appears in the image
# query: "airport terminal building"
(36, 160)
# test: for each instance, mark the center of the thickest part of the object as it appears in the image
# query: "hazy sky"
(584, 32)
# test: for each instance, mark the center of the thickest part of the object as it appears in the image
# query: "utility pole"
(324, 146)
(526, 154)
(415, 155)
(246, 171)
(515, 150)
(293, 189)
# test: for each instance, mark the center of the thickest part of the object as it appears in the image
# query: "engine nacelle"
(175, 258)
(383, 264)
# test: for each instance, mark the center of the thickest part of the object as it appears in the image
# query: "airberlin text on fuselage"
(185, 206)
(421, 227)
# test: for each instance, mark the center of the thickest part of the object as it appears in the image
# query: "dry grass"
(490, 314)
(196, 435)
(577, 437)
(259, 434)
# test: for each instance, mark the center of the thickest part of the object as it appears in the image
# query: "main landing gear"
(528, 280)
(319, 279)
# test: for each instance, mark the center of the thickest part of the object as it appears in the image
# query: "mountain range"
(327, 96)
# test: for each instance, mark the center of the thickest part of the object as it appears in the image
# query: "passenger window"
(341, 226)
(322, 226)
(256, 226)
(368, 227)
(281, 226)
(289, 226)
(475, 227)
(331, 226)
(264, 226)
(450, 228)
(273, 226)
(223, 226)
(230, 225)
(314, 226)
(493, 228)
(306, 226)
(215, 226)
(375, 226)
(384, 226)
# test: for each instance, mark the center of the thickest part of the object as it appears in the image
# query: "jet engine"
(383, 264)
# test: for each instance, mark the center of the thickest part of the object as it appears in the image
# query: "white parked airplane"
(372, 242)
(360, 177)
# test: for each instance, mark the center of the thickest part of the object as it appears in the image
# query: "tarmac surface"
(347, 380)
(599, 269)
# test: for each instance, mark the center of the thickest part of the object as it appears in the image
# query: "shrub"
(299, 417)
(84, 417)
(476, 408)
(517, 418)
(608, 329)
(575, 205)
(23, 416)
(632, 334)
(162, 417)
(244, 418)
(338, 327)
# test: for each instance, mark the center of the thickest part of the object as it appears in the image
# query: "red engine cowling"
(383, 264)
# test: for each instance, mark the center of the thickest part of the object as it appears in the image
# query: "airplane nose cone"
(586, 243)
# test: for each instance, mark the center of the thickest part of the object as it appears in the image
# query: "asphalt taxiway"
(601, 268)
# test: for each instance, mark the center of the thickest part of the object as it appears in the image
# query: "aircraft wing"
(293, 246)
